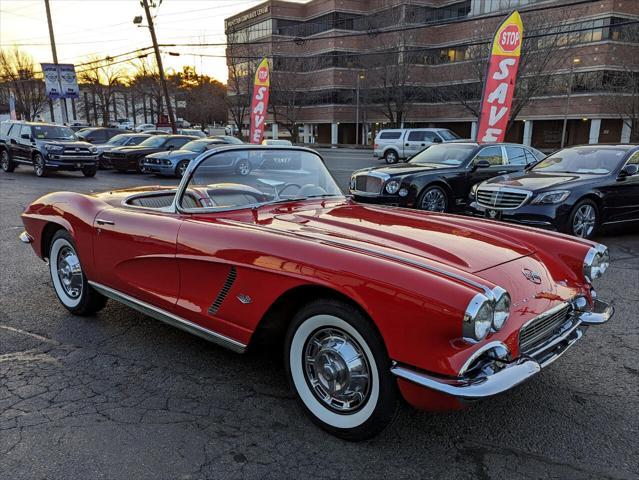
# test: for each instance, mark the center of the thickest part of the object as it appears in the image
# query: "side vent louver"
(228, 283)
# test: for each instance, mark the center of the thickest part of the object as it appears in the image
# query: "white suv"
(398, 144)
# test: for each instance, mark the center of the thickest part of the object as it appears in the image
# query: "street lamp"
(575, 61)
(360, 76)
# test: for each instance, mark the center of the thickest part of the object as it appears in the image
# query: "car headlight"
(54, 148)
(473, 190)
(166, 162)
(478, 318)
(392, 187)
(502, 308)
(548, 198)
(93, 150)
(596, 262)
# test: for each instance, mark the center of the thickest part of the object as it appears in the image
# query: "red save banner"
(259, 103)
(500, 81)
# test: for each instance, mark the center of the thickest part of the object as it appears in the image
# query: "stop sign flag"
(259, 102)
(500, 81)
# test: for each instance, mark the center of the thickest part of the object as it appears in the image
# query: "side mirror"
(628, 171)
(482, 164)
(25, 136)
(437, 140)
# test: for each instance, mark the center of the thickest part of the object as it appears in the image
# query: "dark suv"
(98, 135)
(46, 147)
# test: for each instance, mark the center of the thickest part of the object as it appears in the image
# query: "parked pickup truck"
(398, 144)
(46, 147)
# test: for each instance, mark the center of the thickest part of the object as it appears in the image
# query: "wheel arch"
(271, 329)
(48, 232)
(438, 182)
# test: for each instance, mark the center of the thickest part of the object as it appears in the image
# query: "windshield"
(153, 142)
(117, 140)
(593, 160)
(448, 135)
(52, 132)
(197, 146)
(449, 154)
(243, 178)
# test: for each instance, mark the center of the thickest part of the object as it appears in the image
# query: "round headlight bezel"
(502, 308)
(596, 262)
(478, 318)
(392, 187)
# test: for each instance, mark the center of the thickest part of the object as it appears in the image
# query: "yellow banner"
(507, 41)
(261, 74)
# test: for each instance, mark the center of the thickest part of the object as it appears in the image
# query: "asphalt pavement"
(122, 396)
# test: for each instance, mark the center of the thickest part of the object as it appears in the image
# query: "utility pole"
(158, 59)
(63, 101)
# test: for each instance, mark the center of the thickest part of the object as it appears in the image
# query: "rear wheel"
(433, 199)
(38, 166)
(69, 282)
(337, 365)
(6, 163)
(584, 219)
(180, 170)
(243, 168)
(391, 157)
(140, 166)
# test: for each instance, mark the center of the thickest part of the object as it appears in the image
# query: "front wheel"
(243, 168)
(89, 171)
(180, 170)
(140, 168)
(433, 199)
(6, 163)
(584, 219)
(337, 365)
(39, 167)
(69, 282)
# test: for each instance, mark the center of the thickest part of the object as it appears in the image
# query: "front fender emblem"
(531, 276)
(245, 299)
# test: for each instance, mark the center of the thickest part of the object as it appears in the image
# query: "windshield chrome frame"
(464, 164)
(195, 163)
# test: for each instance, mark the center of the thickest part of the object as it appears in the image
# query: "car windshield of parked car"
(448, 135)
(52, 132)
(597, 161)
(117, 140)
(153, 142)
(197, 146)
(449, 154)
(242, 178)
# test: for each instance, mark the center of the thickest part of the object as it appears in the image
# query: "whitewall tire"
(338, 367)
(69, 281)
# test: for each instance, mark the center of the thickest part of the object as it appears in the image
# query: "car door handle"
(423, 144)
(407, 145)
(503, 172)
(99, 221)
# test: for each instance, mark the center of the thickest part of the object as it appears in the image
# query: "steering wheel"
(287, 185)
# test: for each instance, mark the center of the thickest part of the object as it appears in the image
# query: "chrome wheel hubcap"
(244, 168)
(391, 158)
(38, 165)
(70, 272)
(182, 169)
(583, 222)
(434, 200)
(336, 370)
(5, 161)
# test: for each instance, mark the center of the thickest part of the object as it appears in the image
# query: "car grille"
(79, 151)
(501, 199)
(368, 184)
(115, 155)
(542, 328)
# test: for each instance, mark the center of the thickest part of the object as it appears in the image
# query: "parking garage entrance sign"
(259, 103)
(500, 81)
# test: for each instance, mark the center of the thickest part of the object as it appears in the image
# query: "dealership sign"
(60, 80)
(500, 81)
(259, 104)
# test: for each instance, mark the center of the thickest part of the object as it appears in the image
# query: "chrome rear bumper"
(499, 375)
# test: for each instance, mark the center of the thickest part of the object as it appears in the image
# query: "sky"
(85, 29)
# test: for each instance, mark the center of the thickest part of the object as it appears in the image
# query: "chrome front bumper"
(25, 237)
(500, 375)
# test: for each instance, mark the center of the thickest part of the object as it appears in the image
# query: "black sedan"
(440, 177)
(132, 157)
(575, 191)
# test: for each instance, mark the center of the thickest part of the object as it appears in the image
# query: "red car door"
(134, 253)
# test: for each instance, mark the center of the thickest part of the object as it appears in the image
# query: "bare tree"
(542, 54)
(388, 72)
(145, 85)
(103, 82)
(291, 82)
(204, 96)
(18, 74)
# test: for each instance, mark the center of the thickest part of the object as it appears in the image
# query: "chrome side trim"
(25, 237)
(318, 238)
(169, 318)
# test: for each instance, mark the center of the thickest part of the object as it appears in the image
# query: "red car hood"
(446, 239)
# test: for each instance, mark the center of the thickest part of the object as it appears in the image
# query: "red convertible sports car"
(371, 303)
